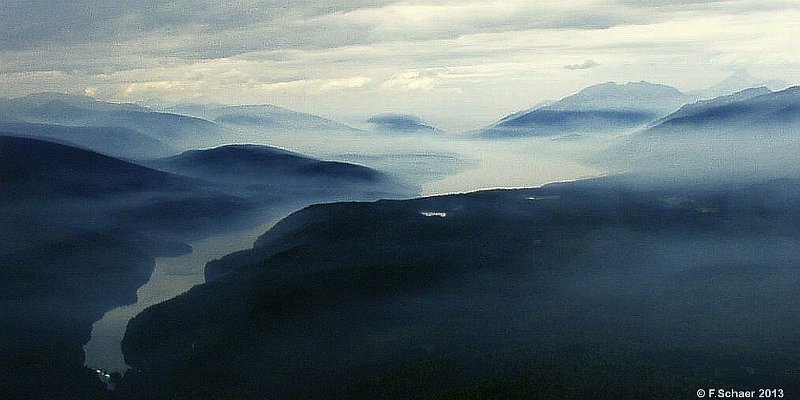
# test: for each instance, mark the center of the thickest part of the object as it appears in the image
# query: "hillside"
(178, 131)
(603, 108)
(117, 142)
(750, 135)
(79, 234)
(400, 123)
(261, 116)
(567, 290)
(756, 108)
(47, 170)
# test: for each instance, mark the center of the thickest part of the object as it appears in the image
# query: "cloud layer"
(378, 56)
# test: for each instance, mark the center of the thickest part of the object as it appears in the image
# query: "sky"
(457, 64)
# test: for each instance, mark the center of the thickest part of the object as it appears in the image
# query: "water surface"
(171, 277)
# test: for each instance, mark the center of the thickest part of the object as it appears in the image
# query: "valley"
(625, 229)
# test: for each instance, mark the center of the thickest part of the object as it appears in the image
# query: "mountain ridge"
(267, 116)
(400, 123)
(603, 108)
(22, 163)
(259, 162)
(746, 109)
(178, 131)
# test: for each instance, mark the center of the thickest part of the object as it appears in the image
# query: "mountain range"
(757, 109)
(747, 135)
(81, 230)
(175, 131)
(566, 290)
(120, 142)
(261, 116)
(603, 108)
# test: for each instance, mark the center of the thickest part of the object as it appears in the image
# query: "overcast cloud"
(458, 63)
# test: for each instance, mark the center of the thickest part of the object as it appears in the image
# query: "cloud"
(341, 83)
(448, 19)
(421, 80)
(729, 6)
(199, 88)
(97, 36)
(28, 24)
(203, 29)
(444, 55)
(584, 65)
(206, 29)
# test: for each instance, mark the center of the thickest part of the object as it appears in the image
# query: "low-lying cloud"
(584, 65)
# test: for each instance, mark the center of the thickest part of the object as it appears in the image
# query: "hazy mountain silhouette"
(607, 107)
(570, 289)
(400, 123)
(113, 141)
(750, 135)
(737, 82)
(175, 130)
(259, 163)
(521, 112)
(67, 103)
(265, 116)
(39, 168)
(756, 108)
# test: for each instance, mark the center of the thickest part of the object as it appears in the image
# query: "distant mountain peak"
(261, 164)
(266, 116)
(237, 150)
(400, 123)
(792, 90)
(601, 108)
(45, 167)
(516, 114)
(731, 98)
(75, 100)
(742, 110)
(736, 82)
(631, 95)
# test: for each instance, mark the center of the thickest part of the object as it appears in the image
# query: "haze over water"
(171, 277)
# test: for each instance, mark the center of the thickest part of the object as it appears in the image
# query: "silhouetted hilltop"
(112, 141)
(264, 116)
(652, 97)
(571, 288)
(261, 163)
(401, 123)
(47, 169)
